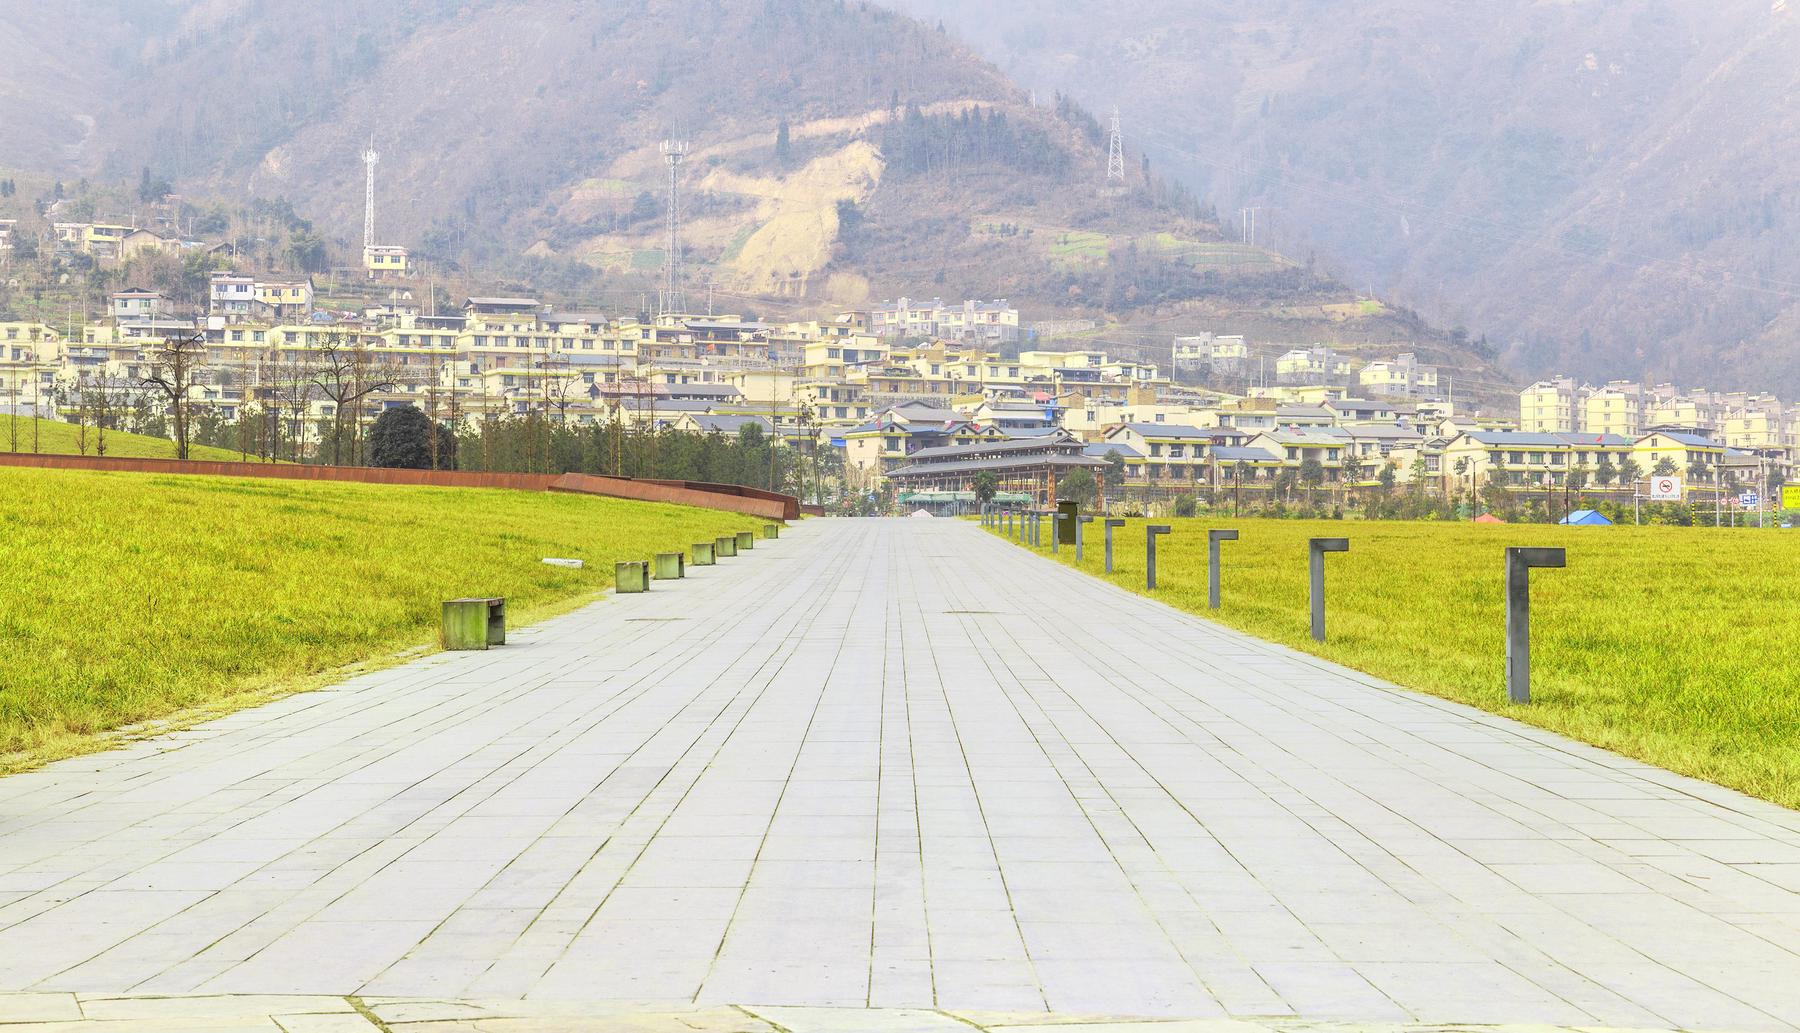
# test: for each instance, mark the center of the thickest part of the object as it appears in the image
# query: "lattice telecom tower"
(369, 159)
(674, 152)
(1115, 152)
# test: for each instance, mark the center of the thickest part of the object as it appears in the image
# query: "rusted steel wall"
(677, 492)
(285, 471)
(790, 505)
(729, 497)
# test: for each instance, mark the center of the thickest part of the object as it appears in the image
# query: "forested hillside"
(836, 151)
(1609, 186)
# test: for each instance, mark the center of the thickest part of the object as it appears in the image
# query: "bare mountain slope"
(837, 149)
(1613, 186)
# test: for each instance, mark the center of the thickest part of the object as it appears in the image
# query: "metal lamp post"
(1316, 549)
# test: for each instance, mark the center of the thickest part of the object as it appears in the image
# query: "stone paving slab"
(84, 1013)
(898, 766)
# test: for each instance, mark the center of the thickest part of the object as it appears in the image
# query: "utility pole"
(1247, 225)
(674, 152)
(370, 157)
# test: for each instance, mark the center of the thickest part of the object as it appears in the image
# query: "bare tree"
(177, 365)
(431, 413)
(348, 374)
(104, 384)
(293, 390)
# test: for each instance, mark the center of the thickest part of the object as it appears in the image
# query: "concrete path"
(901, 764)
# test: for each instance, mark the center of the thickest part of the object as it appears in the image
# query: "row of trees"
(1304, 491)
(280, 417)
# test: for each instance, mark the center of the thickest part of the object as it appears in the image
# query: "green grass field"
(57, 438)
(1678, 646)
(126, 597)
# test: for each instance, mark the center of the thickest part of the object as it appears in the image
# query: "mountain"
(1611, 187)
(835, 150)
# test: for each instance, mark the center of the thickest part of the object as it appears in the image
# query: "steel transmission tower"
(1115, 152)
(369, 159)
(673, 152)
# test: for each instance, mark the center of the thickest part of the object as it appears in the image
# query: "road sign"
(1749, 500)
(1790, 496)
(1665, 489)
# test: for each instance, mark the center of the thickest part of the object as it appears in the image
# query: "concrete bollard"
(1213, 538)
(630, 576)
(1519, 563)
(771, 530)
(746, 540)
(473, 623)
(670, 566)
(725, 547)
(1080, 522)
(1316, 548)
(703, 554)
(1111, 522)
(1150, 534)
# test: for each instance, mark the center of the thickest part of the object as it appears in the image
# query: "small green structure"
(725, 547)
(631, 576)
(771, 530)
(703, 554)
(670, 566)
(746, 539)
(473, 623)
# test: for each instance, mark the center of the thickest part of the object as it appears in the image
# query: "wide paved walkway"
(902, 764)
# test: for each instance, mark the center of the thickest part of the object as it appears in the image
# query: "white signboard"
(1665, 489)
(1749, 500)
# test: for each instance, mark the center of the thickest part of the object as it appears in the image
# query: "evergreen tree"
(401, 439)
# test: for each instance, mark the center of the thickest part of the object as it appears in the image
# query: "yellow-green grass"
(128, 597)
(1678, 646)
(57, 438)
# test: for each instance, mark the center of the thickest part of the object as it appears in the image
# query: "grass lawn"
(1678, 646)
(57, 438)
(126, 597)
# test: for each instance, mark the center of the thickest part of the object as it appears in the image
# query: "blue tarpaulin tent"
(1586, 518)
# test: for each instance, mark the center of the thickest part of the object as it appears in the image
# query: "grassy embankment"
(129, 597)
(1678, 646)
(57, 438)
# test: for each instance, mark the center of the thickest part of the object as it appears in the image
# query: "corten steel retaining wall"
(773, 507)
(790, 505)
(729, 497)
